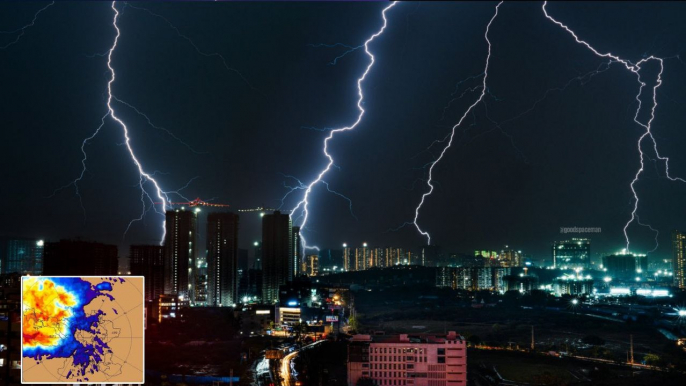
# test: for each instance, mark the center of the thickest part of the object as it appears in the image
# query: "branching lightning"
(21, 30)
(145, 180)
(349, 49)
(303, 204)
(144, 177)
(195, 46)
(169, 133)
(451, 136)
(634, 68)
(302, 186)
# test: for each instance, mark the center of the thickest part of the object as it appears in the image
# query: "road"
(288, 373)
(287, 368)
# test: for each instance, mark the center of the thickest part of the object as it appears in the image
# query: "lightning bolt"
(144, 195)
(303, 204)
(350, 49)
(302, 186)
(75, 182)
(21, 30)
(144, 178)
(634, 68)
(451, 136)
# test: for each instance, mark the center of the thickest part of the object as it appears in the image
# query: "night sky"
(567, 162)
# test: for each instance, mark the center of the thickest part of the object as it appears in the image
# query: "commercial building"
(408, 359)
(168, 307)
(255, 318)
(572, 254)
(23, 256)
(180, 253)
(148, 261)
(277, 254)
(79, 258)
(679, 258)
(222, 259)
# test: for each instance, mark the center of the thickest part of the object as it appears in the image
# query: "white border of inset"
(21, 328)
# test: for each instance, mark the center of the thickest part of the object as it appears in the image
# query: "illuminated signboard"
(331, 318)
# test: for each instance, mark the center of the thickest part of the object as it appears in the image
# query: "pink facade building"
(408, 359)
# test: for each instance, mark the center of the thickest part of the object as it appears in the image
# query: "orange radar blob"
(45, 312)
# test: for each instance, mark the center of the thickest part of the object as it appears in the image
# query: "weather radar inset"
(82, 329)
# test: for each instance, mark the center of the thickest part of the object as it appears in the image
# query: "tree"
(651, 359)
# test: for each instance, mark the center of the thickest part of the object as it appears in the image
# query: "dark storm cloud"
(567, 162)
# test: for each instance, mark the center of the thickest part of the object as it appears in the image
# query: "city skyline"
(343, 193)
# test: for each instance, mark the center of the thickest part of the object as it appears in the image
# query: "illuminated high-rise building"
(222, 259)
(472, 278)
(572, 254)
(148, 261)
(23, 256)
(625, 266)
(180, 253)
(679, 258)
(362, 258)
(297, 252)
(394, 256)
(347, 262)
(312, 265)
(277, 254)
(510, 258)
(377, 258)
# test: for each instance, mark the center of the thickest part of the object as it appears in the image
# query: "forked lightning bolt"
(145, 178)
(303, 204)
(451, 136)
(21, 30)
(634, 68)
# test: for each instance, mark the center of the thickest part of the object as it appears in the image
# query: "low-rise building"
(408, 359)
